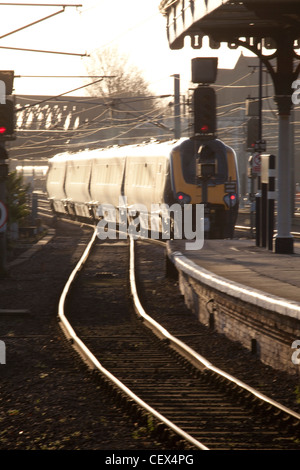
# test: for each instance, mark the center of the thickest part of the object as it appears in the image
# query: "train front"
(205, 172)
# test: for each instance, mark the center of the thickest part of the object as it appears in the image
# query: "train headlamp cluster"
(183, 198)
(230, 199)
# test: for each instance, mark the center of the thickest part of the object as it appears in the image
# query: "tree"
(128, 79)
(16, 198)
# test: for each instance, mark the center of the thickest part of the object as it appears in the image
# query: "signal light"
(7, 123)
(204, 111)
(252, 132)
(230, 199)
(183, 198)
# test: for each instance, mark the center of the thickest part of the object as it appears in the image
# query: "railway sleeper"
(270, 413)
(294, 427)
(135, 412)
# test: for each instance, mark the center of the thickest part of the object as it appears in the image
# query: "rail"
(93, 362)
(196, 359)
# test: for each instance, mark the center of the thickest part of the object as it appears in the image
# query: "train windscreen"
(193, 150)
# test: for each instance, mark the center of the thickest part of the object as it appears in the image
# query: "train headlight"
(183, 198)
(230, 199)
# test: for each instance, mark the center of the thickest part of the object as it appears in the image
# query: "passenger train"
(184, 171)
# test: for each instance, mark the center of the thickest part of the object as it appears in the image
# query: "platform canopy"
(226, 21)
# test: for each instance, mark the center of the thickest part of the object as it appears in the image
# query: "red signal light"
(7, 124)
(204, 110)
(183, 198)
(231, 200)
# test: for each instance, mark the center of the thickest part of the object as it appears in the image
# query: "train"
(181, 173)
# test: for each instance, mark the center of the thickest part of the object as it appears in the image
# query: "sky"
(135, 26)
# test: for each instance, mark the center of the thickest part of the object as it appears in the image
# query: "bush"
(16, 199)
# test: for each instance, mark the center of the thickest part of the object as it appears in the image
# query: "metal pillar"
(260, 101)
(292, 157)
(283, 79)
(267, 199)
(177, 118)
(283, 238)
(3, 177)
(271, 200)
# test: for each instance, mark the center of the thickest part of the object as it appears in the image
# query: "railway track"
(150, 375)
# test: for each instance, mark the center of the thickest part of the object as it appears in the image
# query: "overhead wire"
(143, 116)
(144, 119)
(122, 99)
(132, 117)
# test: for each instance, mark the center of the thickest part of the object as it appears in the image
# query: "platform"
(240, 268)
(248, 293)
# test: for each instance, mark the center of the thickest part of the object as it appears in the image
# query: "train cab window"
(193, 151)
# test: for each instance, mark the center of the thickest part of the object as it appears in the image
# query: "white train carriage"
(55, 184)
(147, 170)
(136, 175)
(78, 175)
(146, 183)
(107, 178)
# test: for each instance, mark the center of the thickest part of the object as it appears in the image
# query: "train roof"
(155, 148)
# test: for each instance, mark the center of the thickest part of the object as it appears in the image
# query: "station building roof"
(227, 20)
